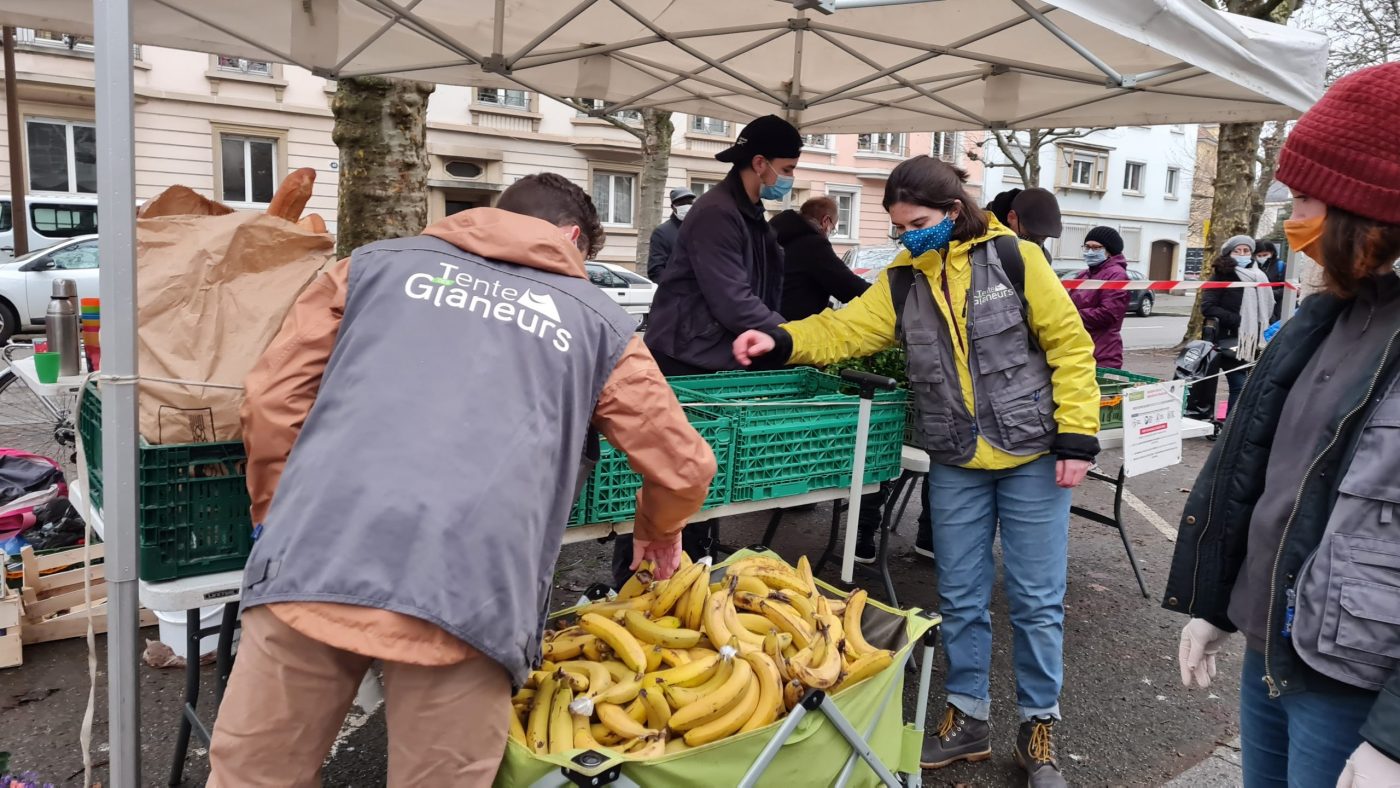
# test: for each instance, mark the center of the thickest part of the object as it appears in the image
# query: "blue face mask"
(1243, 261)
(1095, 256)
(778, 190)
(926, 238)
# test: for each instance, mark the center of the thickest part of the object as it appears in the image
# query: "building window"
(847, 208)
(612, 194)
(242, 65)
(816, 141)
(500, 97)
(1082, 168)
(700, 187)
(1173, 179)
(1132, 243)
(249, 168)
(598, 104)
(885, 143)
(53, 38)
(1132, 177)
(1071, 241)
(62, 156)
(945, 146)
(704, 125)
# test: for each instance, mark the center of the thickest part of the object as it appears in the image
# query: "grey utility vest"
(1010, 376)
(436, 471)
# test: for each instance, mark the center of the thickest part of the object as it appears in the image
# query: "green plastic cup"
(46, 367)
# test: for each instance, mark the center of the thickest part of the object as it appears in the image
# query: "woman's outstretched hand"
(750, 345)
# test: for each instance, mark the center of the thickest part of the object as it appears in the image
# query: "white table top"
(170, 595)
(24, 369)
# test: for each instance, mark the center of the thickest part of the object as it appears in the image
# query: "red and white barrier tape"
(1143, 284)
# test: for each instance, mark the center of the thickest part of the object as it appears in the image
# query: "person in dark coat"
(1266, 259)
(1288, 534)
(812, 273)
(1240, 313)
(1103, 310)
(663, 238)
(726, 272)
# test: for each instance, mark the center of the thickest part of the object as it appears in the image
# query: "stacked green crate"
(612, 490)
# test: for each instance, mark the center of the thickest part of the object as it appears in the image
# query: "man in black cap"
(725, 276)
(1033, 214)
(663, 238)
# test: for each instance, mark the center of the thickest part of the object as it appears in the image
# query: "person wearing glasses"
(1103, 310)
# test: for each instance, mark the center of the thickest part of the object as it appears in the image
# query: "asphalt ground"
(1127, 720)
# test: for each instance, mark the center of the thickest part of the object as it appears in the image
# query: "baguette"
(292, 195)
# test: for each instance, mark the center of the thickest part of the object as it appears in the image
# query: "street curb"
(1221, 770)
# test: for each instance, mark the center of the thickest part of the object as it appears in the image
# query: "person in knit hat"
(1289, 534)
(1103, 310)
(1238, 315)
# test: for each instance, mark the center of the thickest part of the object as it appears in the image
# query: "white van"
(52, 218)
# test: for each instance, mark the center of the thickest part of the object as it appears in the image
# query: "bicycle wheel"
(37, 424)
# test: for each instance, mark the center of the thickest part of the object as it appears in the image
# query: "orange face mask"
(1304, 235)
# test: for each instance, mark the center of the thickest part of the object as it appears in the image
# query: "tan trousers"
(288, 696)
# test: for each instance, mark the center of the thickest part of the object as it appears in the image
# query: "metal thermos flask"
(61, 325)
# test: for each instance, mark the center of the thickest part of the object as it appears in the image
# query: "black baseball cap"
(769, 136)
(1038, 212)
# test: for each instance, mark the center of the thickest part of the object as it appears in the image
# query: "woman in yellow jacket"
(1002, 372)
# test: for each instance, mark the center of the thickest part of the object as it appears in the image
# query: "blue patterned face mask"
(926, 238)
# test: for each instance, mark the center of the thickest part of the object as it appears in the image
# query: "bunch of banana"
(674, 664)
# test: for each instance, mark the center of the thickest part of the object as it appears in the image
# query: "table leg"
(908, 494)
(836, 509)
(224, 655)
(773, 521)
(886, 528)
(182, 740)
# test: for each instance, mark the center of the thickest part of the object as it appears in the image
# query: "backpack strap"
(1009, 252)
(900, 279)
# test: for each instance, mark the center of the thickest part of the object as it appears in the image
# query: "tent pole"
(116, 185)
(19, 213)
(1113, 76)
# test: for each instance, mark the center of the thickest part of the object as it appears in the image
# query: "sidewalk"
(1220, 770)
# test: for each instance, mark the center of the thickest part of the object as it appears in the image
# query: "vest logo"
(544, 304)
(533, 313)
(994, 293)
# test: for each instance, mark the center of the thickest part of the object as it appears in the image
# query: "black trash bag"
(59, 525)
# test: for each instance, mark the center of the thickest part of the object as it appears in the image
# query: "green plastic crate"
(799, 434)
(612, 491)
(192, 501)
(1112, 384)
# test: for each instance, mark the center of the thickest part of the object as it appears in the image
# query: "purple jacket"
(1103, 310)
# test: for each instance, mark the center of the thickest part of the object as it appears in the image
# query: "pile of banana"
(680, 663)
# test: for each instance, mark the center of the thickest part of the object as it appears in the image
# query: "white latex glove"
(1200, 641)
(1368, 767)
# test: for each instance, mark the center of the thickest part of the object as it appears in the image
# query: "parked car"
(1140, 302)
(26, 284)
(868, 261)
(631, 290)
(51, 219)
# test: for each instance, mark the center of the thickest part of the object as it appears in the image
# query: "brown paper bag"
(213, 286)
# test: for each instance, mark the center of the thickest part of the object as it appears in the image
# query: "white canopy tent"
(828, 65)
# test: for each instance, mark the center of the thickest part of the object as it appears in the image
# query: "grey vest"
(1346, 613)
(1010, 376)
(437, 468)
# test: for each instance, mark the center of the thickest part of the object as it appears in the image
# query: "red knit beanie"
(1345, 151)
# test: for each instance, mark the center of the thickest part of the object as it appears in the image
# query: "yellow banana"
(517, 731)
(574, 682)
(583, 734)
(604, 735)
(685, 560)
(561, 648)
(621, 692)
(648, 631)
(676, 745)
(838, 606)
(712, 705)
(669, 622)
(596, 673)
(561, 722)
(637, 584)
(755, 623)
(793, 692)
(803, 605)
(804, 571)
(787, 620)
(715, 627)
(637, 710)
(780, 581)
(537, 727)
(692, 606)
(730, 720)
(744, 565)
(855, 640)
(658, 710)
(674, 657)
(618, 639)
(748, 639)
(773, 647)
(617, 720)
(865, 667)
(610, 607)
(684, 696)
(687, 675)
(770, 691)
(752, 585)
(596, 650)
(669, 594)
(653, 654)
(653, 746)
(749, 601)
(823, 669)
(833, 621)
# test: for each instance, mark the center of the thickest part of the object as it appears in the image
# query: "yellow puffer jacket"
(866, 325)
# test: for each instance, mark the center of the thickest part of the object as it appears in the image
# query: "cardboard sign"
(1151, 427)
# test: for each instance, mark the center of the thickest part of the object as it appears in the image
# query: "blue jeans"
(1034, 517)
(1236, 381)
(1300, 740)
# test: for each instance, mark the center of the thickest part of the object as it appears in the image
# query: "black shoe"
(1035, 751)
(866, 548)
(958, 738)
(924, 549)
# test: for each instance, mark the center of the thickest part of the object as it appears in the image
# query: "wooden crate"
(52, 600)
(10, 615)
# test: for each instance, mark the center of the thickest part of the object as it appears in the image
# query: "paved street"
(1127, 719)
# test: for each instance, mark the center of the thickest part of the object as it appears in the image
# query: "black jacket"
(1212, 540)
(812, 273)
(663, 241)
(1224, 305)
(725, 277)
